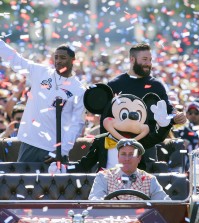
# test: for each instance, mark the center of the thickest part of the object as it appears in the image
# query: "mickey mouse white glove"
(160, 113)
(53, 168)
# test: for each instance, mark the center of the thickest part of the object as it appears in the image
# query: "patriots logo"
(47, 83)
(68, 93)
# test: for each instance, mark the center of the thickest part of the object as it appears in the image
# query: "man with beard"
(37, 130)
(139, 82)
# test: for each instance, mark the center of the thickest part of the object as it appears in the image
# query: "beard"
(138, 69)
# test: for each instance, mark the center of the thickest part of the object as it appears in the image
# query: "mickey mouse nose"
(133, 116)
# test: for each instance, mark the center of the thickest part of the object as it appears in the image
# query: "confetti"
(53, 155)
(164, 150)
(168, 186)
(37, 171)
(63, 70)
(147, 86)
(70, 167)
(58, 144)
(129, 28)
(9, 142)
(20, 196)
(44, 110)
(42, 95)
(89, 208)
(170, 116)
(78, 183)
(44, 209)
(187, 219)
(195, 127)
(76, 99)
(24, 36)
(125, 178)
(83, 147)
(36, 124)
(37, 177)
(8, 219)
(119, 165)
(29, 186)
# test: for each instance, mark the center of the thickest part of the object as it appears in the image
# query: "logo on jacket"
(68, 93)
(47, 83)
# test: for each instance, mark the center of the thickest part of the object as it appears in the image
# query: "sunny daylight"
(99, 111)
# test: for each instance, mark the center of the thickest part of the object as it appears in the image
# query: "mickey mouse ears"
(97, 97)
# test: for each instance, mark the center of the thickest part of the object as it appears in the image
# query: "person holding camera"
(12, 128)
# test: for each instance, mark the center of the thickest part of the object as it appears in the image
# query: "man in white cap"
(127, 176)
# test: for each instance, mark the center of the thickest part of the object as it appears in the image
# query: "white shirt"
(38, 124)
(112, 156)
(112, 159)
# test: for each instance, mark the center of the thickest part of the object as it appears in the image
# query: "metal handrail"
(193, 155)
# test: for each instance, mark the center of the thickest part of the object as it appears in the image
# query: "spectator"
(12, 128)
(92, 124)
(193, 113)
(3, 121)
(128, 176)
(190, 131)
(37, 131)
(16, 97)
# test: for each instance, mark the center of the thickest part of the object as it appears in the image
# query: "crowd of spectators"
(179, 73)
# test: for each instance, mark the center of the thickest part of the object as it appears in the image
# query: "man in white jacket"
(37, 130)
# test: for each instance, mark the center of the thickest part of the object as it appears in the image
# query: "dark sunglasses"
(193, 112)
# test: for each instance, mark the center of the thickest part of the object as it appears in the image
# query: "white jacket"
(38, 124)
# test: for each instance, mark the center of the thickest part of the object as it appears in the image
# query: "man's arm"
(17, 62)
(156, 137)
(156, 191)
(180, 118)
(100, 188)
(15, 97)
(85, 164)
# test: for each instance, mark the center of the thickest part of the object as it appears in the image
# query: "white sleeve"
(16, 61)
(156, 191)
(100, 188)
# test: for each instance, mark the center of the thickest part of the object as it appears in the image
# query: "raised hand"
(160, 113)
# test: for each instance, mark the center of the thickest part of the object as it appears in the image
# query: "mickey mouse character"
(124, 116)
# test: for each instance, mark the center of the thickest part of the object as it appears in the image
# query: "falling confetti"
(78, 183)
(83, 147)
(45, 209)
(8, 219)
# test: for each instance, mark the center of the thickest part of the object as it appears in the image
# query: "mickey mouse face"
(129, 115)
(123, 116)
